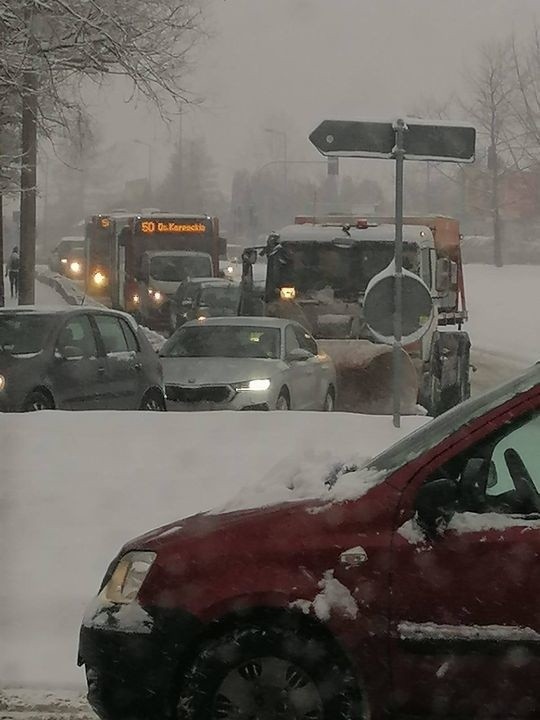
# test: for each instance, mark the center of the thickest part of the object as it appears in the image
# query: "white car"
(246, 363)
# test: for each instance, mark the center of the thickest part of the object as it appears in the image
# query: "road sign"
(416, 302)
(399, 140)
(442, 142)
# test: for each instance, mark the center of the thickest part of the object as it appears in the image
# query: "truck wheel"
(448, 380)
(268, 672)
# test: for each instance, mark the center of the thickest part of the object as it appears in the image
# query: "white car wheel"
(329, 401)
(283, 402)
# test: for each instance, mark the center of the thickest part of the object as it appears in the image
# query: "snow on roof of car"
(241, 322)
(419, 234)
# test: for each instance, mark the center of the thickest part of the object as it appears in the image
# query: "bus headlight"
(99, 278)
(75, 267)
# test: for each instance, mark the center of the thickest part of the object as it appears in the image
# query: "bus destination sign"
(170, 227)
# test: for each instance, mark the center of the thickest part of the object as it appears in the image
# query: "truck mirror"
(249, 256)
(443, 275)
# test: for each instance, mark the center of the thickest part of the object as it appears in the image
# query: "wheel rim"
(38, 404)
(329, 403)
(267, 688)
(153, 404)
(282, 403)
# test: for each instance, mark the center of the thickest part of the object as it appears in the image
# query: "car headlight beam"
(254, 385)
(128, 577)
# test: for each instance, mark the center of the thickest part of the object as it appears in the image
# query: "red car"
(411, 589)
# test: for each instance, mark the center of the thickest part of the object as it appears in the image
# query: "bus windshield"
(175, 268)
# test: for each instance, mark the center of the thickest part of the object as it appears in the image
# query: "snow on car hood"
(217, 371)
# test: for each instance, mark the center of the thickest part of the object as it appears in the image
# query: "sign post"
(399, 141)
(399, 152)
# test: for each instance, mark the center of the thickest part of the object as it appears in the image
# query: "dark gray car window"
(78, 333)
(111, 333)
(131, 338)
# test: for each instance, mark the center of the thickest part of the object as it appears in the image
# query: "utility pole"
(28, 171)
(2, 290)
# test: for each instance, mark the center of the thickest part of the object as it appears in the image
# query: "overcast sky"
(291, 63)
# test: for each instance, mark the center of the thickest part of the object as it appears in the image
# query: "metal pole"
(399, 154)
(28, 186)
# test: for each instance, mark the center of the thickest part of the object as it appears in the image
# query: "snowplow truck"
(317, 273)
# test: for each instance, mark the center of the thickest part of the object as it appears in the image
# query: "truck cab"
(318, 274)
(159, 277)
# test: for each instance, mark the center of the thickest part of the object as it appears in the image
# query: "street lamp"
(149, 170)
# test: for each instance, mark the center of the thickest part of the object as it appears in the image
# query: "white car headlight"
(2, 382)
(128, 577)
(254, 385)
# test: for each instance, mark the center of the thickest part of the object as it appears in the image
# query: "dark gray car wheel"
(38, 400)
(153, 402)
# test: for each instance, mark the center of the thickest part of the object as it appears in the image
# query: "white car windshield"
(224, 341)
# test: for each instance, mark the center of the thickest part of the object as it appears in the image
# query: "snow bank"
(76, 486)
(503, 308)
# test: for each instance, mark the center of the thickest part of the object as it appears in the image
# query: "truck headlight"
(128, 577)
(287, 293)
(254, 385)
(158, 297)
(75, 267)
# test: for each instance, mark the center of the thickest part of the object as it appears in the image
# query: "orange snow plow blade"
(364, 374)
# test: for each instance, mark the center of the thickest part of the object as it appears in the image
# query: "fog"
(291, 63)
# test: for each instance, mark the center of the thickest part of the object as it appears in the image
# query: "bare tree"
(492, 95)
(47, 46)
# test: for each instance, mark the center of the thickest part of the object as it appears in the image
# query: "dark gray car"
(76, 359)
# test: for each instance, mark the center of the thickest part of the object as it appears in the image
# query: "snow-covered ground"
(503, 308)
(44, 295)
(75, 487)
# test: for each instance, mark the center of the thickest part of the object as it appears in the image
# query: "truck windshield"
(224, 341)
(347, 270)
(22, 334)
(175, 268)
